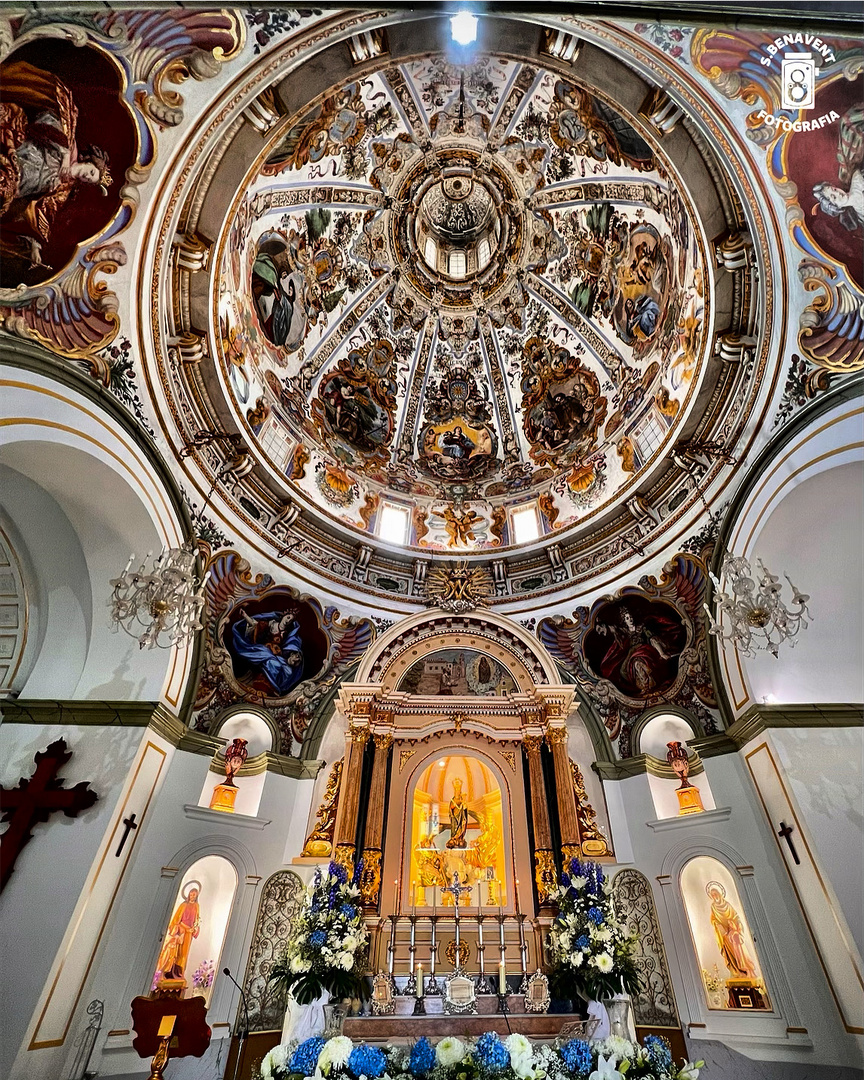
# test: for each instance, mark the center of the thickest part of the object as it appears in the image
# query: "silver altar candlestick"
(482, 983)
(391, 946)
(523, 954)
(411, 985)
(432, 987)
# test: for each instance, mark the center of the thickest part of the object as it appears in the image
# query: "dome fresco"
(460, 292)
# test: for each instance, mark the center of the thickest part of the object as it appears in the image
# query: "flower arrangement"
(488, 1058)
(327, 950)
(590, 952)
(202, 979)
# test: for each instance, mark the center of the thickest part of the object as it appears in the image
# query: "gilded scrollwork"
(319, 842)
(594, 843)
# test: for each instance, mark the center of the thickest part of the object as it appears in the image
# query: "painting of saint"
(275, 643)
(730, 933)
(184, 927)
(58, 185)
(352, 413)
(278, 291)
(457, 672)
(827, 167)
(568, 415)
(457, 450)
(636, 643)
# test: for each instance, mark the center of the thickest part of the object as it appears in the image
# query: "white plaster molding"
(244, 821)
(706, 817)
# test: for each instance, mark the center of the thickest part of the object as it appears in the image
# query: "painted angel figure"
(846, 203)
(271, 644)
(41, 164)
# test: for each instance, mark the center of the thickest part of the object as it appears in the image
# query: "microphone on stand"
(244, 1030)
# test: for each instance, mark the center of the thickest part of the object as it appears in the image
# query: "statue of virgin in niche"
(458, 817)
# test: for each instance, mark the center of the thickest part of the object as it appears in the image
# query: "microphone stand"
(244, 1028)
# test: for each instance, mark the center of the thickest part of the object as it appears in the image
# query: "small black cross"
(129, 822)
(786, 832)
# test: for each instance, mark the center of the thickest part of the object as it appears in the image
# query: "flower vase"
(620, 1013)
(334, 1018)
(304, 1021)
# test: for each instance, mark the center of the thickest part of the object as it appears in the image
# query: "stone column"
(568, 818)
(544, 861)
(346, 827)
(373, 839)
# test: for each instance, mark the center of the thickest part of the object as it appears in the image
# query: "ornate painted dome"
(503, 310)
(483, 312)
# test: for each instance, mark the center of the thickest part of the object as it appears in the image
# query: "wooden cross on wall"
(35, 799)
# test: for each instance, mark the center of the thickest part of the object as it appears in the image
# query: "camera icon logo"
(798, 81)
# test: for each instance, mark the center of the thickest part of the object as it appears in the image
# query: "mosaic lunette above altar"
(457, 297)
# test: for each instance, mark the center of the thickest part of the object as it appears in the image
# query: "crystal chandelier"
(162, 606)
(755, 613)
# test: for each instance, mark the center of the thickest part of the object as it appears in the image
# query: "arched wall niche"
(82, 495)
(799, 511)
(783, 1017)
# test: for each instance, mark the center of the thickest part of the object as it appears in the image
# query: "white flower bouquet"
(590, 953)
(328, 948)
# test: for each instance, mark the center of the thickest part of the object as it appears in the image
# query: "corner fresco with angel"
(267, 644)
(644, 646)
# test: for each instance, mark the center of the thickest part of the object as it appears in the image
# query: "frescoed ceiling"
(460, 292)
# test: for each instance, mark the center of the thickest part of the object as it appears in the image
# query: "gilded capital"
(383, 740)
(532, 743)
(358, 733)
(556, 735)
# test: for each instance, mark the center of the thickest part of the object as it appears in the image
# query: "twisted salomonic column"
(568, 819)
(544, 860)
(346, 826)
(373, 838)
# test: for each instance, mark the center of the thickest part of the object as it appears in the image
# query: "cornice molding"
(761, 718)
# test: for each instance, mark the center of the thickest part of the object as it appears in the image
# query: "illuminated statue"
(183, 928)
(729, 931)
(458, 817)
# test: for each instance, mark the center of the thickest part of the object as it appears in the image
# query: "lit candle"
(502, 978)
(414, 897)
(419, 980)
(516, 891)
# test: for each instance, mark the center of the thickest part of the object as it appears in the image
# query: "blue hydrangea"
(576, 1055)
(491, 1053)
(348, 911)
(659, 1051)
(317, 938)
(305, 1057)
(367, 1061)
(595, 915)
(422, 1059)
(582, 942)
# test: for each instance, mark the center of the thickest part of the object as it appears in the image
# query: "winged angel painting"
(644, 646)
(272, 646)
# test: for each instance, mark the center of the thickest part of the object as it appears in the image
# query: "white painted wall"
(50, 872)
(815, 536)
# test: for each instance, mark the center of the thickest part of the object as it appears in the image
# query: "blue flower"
(576, 1055)
(348, 911)
(338, 872)
(305, 1057)
(491, 1053)
(659, 1052)
(317, 938)
(595, 915)
(367, 1061)
(422, 1059)
(582, 942)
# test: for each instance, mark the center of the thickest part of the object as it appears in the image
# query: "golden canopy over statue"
(730, 933)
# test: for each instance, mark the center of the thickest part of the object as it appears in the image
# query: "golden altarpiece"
(457, 770)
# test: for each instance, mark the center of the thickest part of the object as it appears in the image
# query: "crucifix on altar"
(456, 889)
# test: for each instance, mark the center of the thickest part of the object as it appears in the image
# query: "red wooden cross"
(35, 799)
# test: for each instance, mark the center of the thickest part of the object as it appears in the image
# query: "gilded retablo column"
(568, 818)
(373, 839)
(544, 860)
(346, 826)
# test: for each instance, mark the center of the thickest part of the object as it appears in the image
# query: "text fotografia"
(783, 124)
